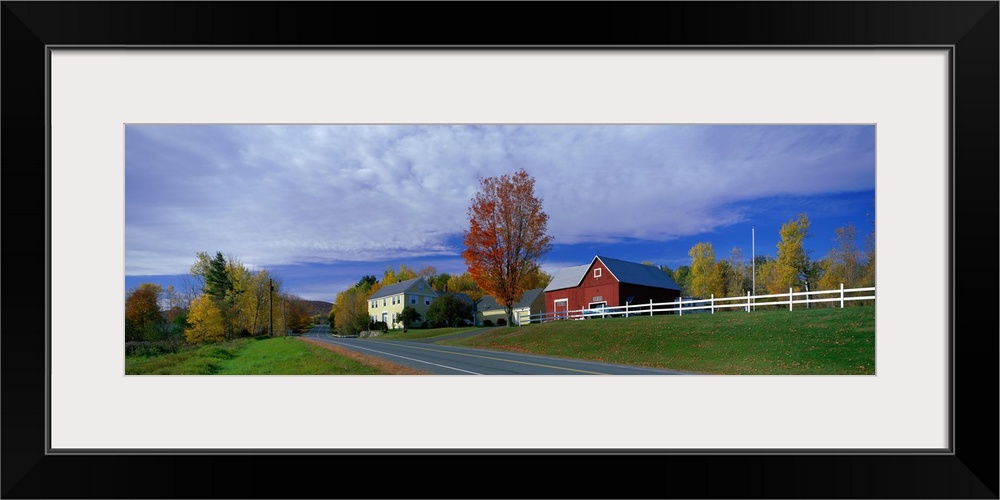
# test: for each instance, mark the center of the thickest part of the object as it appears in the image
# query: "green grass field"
(269, 356)
(828, 341)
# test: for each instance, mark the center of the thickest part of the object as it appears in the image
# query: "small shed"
(532, 302)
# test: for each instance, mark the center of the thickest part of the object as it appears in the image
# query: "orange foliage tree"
(506, 237)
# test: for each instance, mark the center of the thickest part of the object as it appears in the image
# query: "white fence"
(710, 305)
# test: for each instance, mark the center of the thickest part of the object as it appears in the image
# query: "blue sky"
(322, 205)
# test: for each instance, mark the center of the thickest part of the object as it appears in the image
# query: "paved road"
(449, 360)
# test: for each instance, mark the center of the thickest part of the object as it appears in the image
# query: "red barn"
(608, 282)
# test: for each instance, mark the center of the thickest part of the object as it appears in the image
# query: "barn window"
(597, 272)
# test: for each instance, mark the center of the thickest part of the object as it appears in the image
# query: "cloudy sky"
(322, 205)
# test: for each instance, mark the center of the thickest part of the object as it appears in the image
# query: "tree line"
(849, 263)
(224, 300)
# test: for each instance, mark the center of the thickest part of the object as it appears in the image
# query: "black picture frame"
(969, 28)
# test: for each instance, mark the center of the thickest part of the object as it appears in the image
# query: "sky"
(320, 206)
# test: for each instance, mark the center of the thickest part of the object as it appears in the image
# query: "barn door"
(560, 309)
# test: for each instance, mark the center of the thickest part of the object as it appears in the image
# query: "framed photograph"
(81, 77)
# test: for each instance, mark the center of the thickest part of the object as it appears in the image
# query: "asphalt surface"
(435, 359)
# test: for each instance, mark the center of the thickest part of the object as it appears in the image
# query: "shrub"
(149, 348)
(501, 322)
(487, 322)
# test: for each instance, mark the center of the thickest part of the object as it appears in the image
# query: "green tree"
(366, 282)
(408, 316)
(682, 276)
(449, 310)
(441, 282)
(217, 280)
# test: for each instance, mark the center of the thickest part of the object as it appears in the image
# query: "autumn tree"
(706, 273)
(846, 263)
(793, 268)
(296, 313)
(737, 276)
(205, 320)
(404, 273)
(506, 237)
(464, 283)
(538, 279)
(142, 312)
(869, 276)
(350, 309)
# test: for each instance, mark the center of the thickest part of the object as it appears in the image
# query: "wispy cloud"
(287, 195)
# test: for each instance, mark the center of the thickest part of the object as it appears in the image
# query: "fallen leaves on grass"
(379, 364)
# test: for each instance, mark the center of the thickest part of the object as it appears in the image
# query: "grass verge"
(829, 341)
(268, 356)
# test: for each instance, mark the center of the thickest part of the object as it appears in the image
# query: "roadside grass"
(827, 341)
(267, 356)
(425, 333)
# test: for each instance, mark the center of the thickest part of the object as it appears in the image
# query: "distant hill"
(317, 307)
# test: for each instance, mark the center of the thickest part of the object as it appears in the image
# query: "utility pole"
(270, 308)
(753, 266)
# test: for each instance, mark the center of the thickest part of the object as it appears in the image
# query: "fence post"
(841, 295)
(650, 307)
(789, 298)
(626, 309)
(712, 304)
(680, 307)
(748, 300)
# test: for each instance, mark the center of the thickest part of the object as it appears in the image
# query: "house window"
(413, 300)
(427, 301)
(383, 302)
(597, 272)
(421, 286)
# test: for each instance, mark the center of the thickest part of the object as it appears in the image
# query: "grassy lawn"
(270, 356)
(829, 341)
(425, 333)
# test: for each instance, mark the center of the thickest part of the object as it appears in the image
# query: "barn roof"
(568, 277)
(624, 271)
(638, 274)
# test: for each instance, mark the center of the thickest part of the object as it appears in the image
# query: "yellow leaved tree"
(206, 321)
